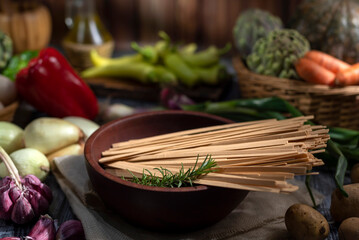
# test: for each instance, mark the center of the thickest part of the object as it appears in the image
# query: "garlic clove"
(22, 211)
(6, 205)
(5, 184)
(14, 193)
(51, 134)
(39, 203)
(71, 230)
(44, 229)
(31, 181)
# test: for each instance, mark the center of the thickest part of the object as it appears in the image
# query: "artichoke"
(5, 49)
(252, 25)
(276, 54)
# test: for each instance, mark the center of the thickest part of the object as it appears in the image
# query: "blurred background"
(205, 22)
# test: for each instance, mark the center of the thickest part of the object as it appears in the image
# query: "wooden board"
(128, 89)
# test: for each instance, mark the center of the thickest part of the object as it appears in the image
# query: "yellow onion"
(86, 125)
(74, 149)
(48, 134)
(28, 161)
(11, 136)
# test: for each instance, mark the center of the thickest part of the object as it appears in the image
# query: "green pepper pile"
(163, 63)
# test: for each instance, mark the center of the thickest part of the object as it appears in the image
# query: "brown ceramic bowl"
(164, 209)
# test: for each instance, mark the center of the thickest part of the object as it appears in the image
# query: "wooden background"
(203, 21)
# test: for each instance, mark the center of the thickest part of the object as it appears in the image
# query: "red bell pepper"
(50, 84)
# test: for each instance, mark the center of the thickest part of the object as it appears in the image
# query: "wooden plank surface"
(207, 22)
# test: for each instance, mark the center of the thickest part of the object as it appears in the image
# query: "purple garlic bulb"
(173, 100)
(44, 229)
(24, 201)
(71, 230)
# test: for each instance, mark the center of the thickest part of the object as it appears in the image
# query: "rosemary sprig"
(181, 179)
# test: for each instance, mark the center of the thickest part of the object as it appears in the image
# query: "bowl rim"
(96, 166)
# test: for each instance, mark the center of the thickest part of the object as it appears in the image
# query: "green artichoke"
(276, 54)
(252, 25)
(5, 49)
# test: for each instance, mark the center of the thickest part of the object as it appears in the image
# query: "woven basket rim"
(8, 110)
(291, 84)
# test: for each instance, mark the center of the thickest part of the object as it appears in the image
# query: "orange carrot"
(327, 61)
(312, 72)
(349, 76)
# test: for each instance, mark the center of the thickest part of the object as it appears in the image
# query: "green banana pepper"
(176, 65)
(205, 58)
(98, 60)
(140, 71)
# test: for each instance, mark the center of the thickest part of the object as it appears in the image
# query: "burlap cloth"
(259, 216)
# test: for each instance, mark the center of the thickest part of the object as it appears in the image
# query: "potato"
(354, 173)
(304, 222)
(345, 207)
(349, 229)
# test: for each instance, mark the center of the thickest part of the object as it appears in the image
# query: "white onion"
(51, 134)
(28, 161)
(86, 125)
(115, 111)
(11, 136)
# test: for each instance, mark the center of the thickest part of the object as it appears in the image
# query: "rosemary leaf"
(181, 179)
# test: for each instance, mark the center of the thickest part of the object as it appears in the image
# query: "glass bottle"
(87, 32)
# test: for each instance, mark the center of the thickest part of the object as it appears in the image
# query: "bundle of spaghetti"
(258, 155)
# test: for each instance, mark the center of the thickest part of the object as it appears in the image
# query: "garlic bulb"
(22, 199)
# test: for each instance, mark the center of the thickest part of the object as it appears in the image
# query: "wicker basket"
(7, 113)
(330, 106)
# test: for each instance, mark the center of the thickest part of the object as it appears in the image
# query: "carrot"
(331, 63)
(349, 76)
(312, 72)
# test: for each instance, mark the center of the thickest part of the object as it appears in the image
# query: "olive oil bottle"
(86, 32)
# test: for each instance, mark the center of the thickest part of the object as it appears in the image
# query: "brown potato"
(304, 222)
(349, 229)
(345, 207)
(354, 173)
